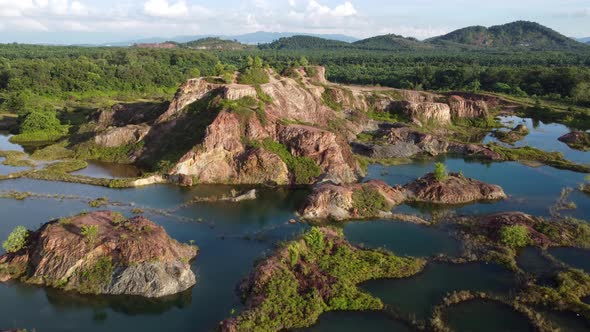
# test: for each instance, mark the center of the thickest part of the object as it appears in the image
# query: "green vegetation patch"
(94, 277)
(516, 236)
(369, 202)
(329, 99)
(120, 154)
(16, 159)
(16, 240)
(527, 153)
(52, 152)
(304, 169)
(312, 275)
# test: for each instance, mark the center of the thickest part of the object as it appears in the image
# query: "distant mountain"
(516, 35)
(262, 37)
(583, 40)
(254, 38)
(305, 43)
(213, 43)
(391, 42)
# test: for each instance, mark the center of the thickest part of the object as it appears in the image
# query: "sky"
(101, 21)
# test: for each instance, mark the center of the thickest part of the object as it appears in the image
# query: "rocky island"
(100, 253)
(375, 199)
(311, 275)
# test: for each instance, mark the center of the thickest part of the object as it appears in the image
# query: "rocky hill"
(102, 253)
(295, 129)
(516, 35)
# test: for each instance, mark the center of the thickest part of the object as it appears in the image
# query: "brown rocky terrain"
(401, 141)
(376, 199)
(578, 140)
(102, 253)
(212, 132)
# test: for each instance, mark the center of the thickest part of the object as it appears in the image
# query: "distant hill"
(516, 35)
(391, 42)
(253, 38)
(213, 43)
(305, 43)
(584, 40)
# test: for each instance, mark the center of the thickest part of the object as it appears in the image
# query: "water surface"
(485, 316)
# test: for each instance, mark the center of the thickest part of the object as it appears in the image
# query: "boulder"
(103, 253)
(427, 112)
(454, 189)
(118, 136)
(578, 140)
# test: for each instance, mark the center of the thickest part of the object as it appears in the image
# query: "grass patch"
(329, 99)
(304, 169)
(52, 152)
(554, 159)
(93, 278)
(120, 154)
(16, 159)
(368, 202)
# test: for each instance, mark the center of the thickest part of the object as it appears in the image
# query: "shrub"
(516, 236)
(253, 76)
(368, 202)
(90, 232)
(303, 168)
(16, 240)
(440, 171)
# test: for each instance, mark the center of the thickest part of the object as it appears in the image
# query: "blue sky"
(64, 21)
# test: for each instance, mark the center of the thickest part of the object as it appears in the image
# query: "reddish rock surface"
(127, 256)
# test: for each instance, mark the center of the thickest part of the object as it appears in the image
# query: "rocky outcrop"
(465, 108)
(375, 199)
(117, 136)
(330, 152)
(454, 189)
(511, 136)
(103, 253)
(400, 141)
(428, 113)
(337, 202)
(121, 115)
(260, 166)
(578, 140)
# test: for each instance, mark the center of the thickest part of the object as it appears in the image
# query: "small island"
(311, 275)
(376, 199)
(100, 253)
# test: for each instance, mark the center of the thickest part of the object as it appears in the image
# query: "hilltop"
(520, 35)
(515, 35)
(215, 43)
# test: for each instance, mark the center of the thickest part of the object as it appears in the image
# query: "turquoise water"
(357, 321)
(577, 258)
(233, 236)
(530, 189)
(543, 136)
(418, 295)
(105, 170)
(403, 239)
(485, 316)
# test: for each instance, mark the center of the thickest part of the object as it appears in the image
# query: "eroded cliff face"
(120, 256)
(212, 133)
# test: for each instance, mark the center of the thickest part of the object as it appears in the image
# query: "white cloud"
(162, 8)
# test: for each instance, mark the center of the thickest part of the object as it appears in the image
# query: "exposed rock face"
(405, 142)
(329, 201)
(427, 112)
(330, 152)
(464, 108)
(578, 140)
(132, 257)
(121, 115)
(335, 202)
(260, 166)
(455, 189)
(117, 136)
